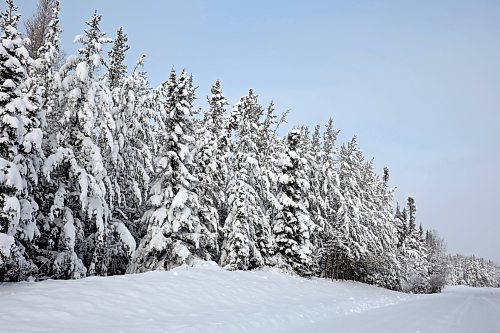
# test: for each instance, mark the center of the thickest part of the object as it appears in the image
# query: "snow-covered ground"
(209, 299)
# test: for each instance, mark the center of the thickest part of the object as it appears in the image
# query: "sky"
(418, 82)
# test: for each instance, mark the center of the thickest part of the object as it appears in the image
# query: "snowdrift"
(204, 298)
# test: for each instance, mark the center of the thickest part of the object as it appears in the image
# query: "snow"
(69, 233)
(6, 242)
(82, 71)
(22, 52)
(458, 309)
(10, 120)
(206, 298)
(12, 63)
(33, 139)
(9, 174)
(9, 84)
(181, 251)
(12, 208)
(126, 237)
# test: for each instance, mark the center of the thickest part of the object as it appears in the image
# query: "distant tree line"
(101, 175)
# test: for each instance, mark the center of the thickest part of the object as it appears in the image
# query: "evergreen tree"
(246, 224)
(350, 244)
(20, 154)
(380, 264)
(131, 166)
(438, 267)
(175, 234)
(326, 177)
(268, 155)
(412, 253)
(117, 71)
(388, 233)
(79, 215)
(212, 149)
(293, 224)
(315, 196)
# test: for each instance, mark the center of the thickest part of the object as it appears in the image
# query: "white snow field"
(209, 299)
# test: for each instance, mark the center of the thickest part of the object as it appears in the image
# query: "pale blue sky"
(417, 81)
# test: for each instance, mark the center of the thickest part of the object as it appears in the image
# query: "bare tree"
(36, 26)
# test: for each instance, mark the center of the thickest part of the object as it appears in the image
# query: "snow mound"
(203, 298)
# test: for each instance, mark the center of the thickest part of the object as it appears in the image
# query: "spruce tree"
(117, 71)
(246, 223)
(212, 149)
(293, 226)
(20, 154)
(175, 235)
(350, 243)
(80, 210)
(412, 253)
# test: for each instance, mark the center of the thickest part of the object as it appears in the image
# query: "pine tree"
(130, 159)
(270, 148)
(388, 233)
(131, 166)
(350, 243)
(80, 210)
(412, 253)
(175, 234)
(212, 149)
(293, 224)
(380, 263)
(329, 174)
(117, 70)
(438, 267)
(246, 224)
(315, 196)
(328, 196)
(20, 154)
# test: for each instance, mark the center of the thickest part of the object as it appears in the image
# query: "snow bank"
(202, 299)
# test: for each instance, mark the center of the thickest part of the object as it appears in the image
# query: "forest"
(102, 174)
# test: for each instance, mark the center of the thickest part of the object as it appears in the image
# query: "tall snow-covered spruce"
(412, 252)
(246, 232)
(293, 226)
(20, 154)
(175, 235)
(81, 240)
(211, 157)
(130, 162)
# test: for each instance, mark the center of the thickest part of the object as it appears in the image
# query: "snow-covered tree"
(80, 212)
(175, 234)
(472, 271)
(212, 157)
(117, 71)
(325, 196)
(350, 243)
(134, 139)
(130, 159)
(293, 225)
(315, 196)
(44, 92)
(379, 266)
(246, 232)
(412, 252)
(436, 256)
(20, 153)
(269, 150)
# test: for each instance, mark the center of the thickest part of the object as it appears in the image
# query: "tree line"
(101, 175)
